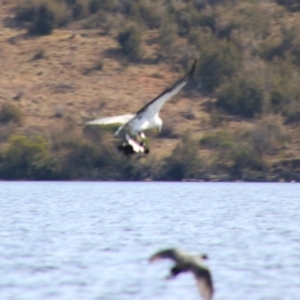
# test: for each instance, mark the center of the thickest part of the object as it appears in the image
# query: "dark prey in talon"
(131, 146)
(126, 149)
(185, 262)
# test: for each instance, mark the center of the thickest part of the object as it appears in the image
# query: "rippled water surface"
(91, 240)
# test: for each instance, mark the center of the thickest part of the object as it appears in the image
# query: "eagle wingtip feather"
(192, 71)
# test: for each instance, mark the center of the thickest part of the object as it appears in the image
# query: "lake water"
(92, 240)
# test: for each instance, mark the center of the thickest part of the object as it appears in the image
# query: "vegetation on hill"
(248, 51)
(248, 55)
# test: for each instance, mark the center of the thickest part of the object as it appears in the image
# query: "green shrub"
(130, 41)
(210, 141)
(184, 162)
(285, 43)
(106, 5)
(92, 156)
(242, 154)
(26, 159)
(219, 60)
(242, 159)
(237, 158)
(94, 6)
(184, 20)
(268, 135)
(189, 18)
(40, 17)
(10, 112)
(151, 14)
(70, 2)
(220, 140)
(83, 159)
(243, 96)
(167, 37)
(292, 5)
(80, 9)
(285, 89)
(292, 112)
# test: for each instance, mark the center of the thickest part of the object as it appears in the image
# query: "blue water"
(92, 240)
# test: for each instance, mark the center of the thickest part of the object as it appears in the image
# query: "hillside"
(62, 86)
(61, 80)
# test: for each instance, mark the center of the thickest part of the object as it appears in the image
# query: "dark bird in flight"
(134, 125)
(185, 262)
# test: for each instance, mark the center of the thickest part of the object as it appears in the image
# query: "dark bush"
(220, 140)
(284, 89)
(106, 5)
(10, 112)
(78, 11)
(293, 5)
(44, 21)
(184, 20)
(151, 15)
(40, 17)
(267, 136)
(219, 60)
(184, 162)
(237, 157)
(167, 38)
(70, 2)
(130, 41)
(242, 160)
(27, 159)
(210, 141)
(287, 45)
(25, 13)
(292, 112)
(242, 96)
(84, 160)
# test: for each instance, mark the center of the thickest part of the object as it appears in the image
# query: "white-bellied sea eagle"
(134, 125)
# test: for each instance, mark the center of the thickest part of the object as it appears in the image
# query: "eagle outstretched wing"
(121, 119)
(154, 106)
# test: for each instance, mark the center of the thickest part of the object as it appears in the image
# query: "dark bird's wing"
(172, 253)
(153, 107)
(204, 282)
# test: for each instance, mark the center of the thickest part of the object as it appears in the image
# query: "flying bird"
(185, 262)
(134, 125)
